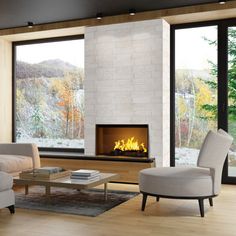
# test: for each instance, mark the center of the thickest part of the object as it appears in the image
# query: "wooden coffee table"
(67, 182)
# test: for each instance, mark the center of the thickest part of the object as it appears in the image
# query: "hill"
(48, 69)
(203, 74)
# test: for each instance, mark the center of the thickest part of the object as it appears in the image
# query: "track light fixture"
(30, 24)
(221, 2)
(99, 16)
(132, 12)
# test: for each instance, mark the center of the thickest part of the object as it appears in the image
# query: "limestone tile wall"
(127, 81)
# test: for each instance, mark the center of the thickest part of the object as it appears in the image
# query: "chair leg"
(157, 198)
(11, 209)
(211, 201)
(144, 201)
(201, 206)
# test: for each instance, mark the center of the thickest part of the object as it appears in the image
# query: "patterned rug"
(71, 201)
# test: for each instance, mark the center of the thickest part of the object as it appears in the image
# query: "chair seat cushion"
(15, 163)
(176, 181)
(6, 181)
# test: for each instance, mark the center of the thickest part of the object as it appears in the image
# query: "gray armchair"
(201, 182)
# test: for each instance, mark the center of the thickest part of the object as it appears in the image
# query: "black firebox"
(122, 140)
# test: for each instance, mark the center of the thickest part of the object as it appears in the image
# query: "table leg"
(47, 191)
(26, 189)
(105, 191)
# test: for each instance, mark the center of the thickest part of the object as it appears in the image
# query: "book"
(82, 179)
(48, 170)
(85, 177)
(84, 172)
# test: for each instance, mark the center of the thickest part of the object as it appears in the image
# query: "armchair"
(16, 157)
(201, 182)
(7, 196)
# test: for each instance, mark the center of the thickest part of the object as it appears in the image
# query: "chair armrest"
(216, 178)
(22, 149)
(6, 181)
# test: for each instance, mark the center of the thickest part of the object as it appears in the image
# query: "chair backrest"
(23, 149)
(213, 153)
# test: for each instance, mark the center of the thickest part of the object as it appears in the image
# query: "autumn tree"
(185, 104)
(69, 99)
(192, 93)
(203, 97)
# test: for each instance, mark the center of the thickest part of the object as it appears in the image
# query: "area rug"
(71, 201)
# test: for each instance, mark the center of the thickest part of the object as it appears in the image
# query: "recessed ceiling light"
(30, 24)
(99, 16)
(132, 12)
(222, 2)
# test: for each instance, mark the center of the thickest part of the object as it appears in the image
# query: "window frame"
(29, 42)
(222, 79)
(172, 78)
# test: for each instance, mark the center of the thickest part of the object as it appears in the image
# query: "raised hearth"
(127, 167)
(79, 156)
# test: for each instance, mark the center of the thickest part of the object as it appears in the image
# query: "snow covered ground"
(61, 143)
(186, 156)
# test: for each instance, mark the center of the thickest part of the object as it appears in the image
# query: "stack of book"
(83, 174)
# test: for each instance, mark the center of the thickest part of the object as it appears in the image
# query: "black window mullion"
(222, 76)
(223, 85)
(172, 97)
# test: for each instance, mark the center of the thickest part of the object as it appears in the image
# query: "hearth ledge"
(79, 156)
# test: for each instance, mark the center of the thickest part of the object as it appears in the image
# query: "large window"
(49, 92)
(231, 96)
(203, 89)
(195, 90)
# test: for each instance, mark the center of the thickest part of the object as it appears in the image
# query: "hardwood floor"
(167, 217)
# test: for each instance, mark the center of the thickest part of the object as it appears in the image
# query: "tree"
(185, 107)
(180, 114)
(72, 109)
(204, 97)
(38, 122)
(231, 77)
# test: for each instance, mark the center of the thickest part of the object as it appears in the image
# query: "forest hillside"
(50, 103)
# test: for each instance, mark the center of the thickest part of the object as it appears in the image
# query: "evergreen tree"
(231, 77)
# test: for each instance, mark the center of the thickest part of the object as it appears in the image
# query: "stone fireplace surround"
(127, 81)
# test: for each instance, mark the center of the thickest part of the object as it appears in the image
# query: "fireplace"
(122, 140)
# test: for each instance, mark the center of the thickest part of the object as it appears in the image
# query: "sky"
(64, 50)
(192, 51)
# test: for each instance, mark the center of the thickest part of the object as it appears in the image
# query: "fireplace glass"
(122, 140)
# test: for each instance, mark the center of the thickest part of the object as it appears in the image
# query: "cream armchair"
(16, 157)
(201, 182)
(7, 196)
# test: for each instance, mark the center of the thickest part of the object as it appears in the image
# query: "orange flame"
(130, 145)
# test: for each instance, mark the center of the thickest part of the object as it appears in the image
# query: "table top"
(68, 182)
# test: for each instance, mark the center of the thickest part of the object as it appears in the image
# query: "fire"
(130, 145)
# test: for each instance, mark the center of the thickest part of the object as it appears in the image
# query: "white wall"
(127, 81)
(5, 91)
